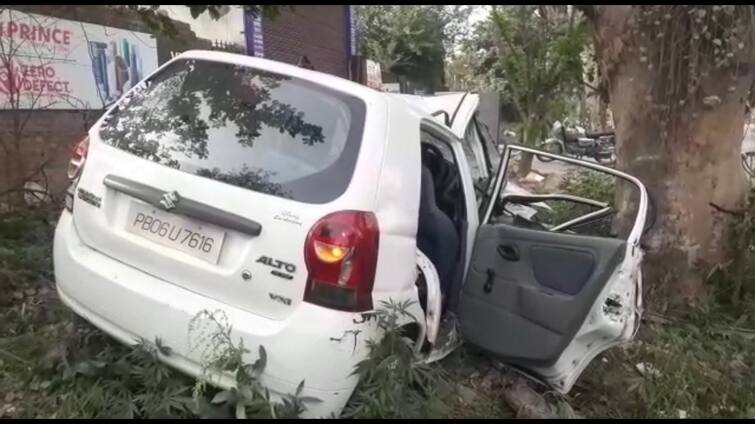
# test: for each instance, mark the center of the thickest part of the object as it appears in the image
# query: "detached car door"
(547, 297)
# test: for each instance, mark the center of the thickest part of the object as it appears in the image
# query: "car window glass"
(239, 125)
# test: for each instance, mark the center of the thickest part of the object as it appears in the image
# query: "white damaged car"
(296, 202)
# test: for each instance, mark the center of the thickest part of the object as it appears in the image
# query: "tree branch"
(739, 212)
(590, 86)
(23, 181)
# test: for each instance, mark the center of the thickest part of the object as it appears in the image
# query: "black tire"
(608, 161)
(550, 147)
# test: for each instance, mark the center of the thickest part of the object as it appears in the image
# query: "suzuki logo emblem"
(169, 200)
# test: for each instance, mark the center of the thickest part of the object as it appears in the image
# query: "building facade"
(319, 37)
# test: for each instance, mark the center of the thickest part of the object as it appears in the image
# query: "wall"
(48, 135)
(318, 32)
(46, 143)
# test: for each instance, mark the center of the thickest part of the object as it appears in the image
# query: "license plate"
(198, 239)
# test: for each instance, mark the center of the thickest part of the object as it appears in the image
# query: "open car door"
(544, 297)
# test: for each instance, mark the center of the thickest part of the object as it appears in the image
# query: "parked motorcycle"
(573, 140)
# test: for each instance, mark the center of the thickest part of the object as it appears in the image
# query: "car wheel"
(553, 147)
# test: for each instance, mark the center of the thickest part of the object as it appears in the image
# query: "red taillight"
(341, 256)
(78, 158)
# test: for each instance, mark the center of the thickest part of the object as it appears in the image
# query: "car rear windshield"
(262, 131)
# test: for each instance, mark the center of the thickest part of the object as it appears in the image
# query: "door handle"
(488, 286)
(508, 252)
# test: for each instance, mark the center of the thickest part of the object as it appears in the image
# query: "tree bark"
(602, 114)
(528, 138)
(684, 172)
(524, 165)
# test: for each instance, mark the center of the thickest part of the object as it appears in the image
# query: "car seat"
(436, 234)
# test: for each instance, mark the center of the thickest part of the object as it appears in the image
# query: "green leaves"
(127, 383)
(408, 40)
(197, 10)
(531, 55)
(89, 368)
(216, 12)
(391, 383)
(159, 21)
(260, 363)
(249, 399)
(225, 396)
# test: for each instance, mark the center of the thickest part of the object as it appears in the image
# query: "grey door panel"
(528, 291)
(564, 270)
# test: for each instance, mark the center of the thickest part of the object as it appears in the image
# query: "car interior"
(442, 221)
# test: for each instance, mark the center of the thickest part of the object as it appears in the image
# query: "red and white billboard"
(51, 63)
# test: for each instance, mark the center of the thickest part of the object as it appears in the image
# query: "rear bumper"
(313, 344)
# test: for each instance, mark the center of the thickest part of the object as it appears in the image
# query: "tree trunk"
(602, 114)
(524, 165)
(527, 138)
(684, 172)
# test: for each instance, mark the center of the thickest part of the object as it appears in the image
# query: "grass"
(52, 364)
(698, 365)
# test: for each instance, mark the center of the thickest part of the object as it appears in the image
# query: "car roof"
(446, 102)
(422, 105)
(321, 78)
